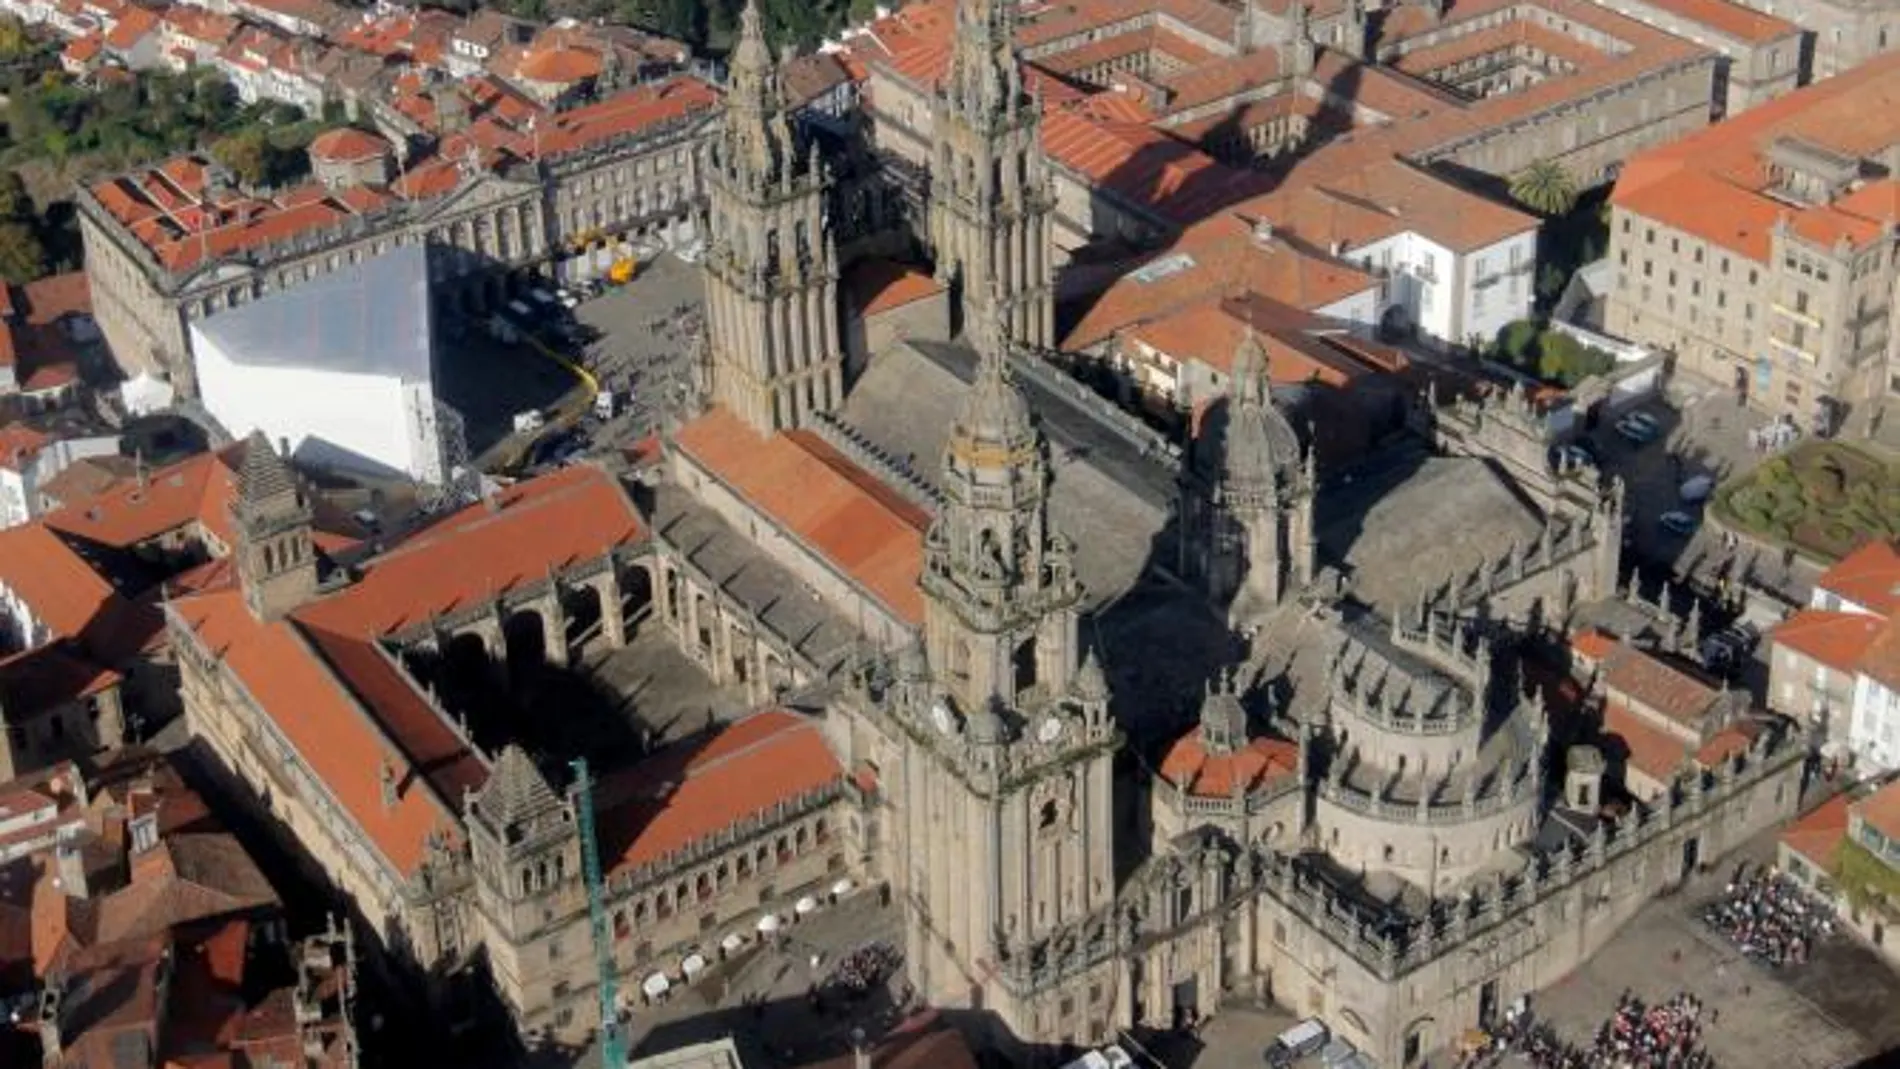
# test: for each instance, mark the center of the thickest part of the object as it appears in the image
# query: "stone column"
(613, 614)
(554, 629)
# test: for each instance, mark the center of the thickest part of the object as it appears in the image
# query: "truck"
(606, 403)
(529, 421)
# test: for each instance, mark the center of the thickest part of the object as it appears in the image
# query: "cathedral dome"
(1258, 447)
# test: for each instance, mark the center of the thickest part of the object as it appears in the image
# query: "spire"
(516, 790)
(265, 477)
(985, 82)
(994, 411)
(1091, 683)
(758, 139)
(1260, 447)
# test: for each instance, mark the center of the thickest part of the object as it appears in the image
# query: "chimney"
(144, 830)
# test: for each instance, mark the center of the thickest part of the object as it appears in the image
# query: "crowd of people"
(1667, 1035)
(1769, 918)
(863, 969)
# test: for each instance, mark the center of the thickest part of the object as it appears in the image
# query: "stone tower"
(1006, 838)
(772, 272)
(1247, 514)
(991, 194)
(276, 559)
(525, 852)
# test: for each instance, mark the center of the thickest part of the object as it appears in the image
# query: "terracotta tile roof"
(1210, 333)
(1869, 576)
(57, 585)
(1734, 739)
(19, 445)
(298, 679)
(347, 145)
(1817, 834)
(694, 790)
(1144, 166)
(183, 880)
(198, 490)
(1189, 766)
(131, 28)
(1221, 255)
(85, 478)
(1653, 682)
(50, 299)
(921, 1042)
(1716, 182)
(1730, 19)
(629, 112)
(840, 512)
(559, 66)
(879, 285)
(1881, 810)
(1651, 751)
(1592, 644)
(1517, 36)
(84, 49)
(566, 517)
(1839, 640)
(1387, 197)
(812, 75)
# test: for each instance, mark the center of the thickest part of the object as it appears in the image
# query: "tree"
(247, 155)
(22, 257)
(1545, 187)
(15, 204)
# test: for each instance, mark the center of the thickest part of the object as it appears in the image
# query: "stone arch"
(524, 638)
(636, 591)
(582, 609)
(1023, 664)
(466, 656)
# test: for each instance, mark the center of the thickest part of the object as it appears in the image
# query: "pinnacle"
(265, 475)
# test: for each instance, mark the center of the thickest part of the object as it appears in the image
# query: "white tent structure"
(341, 366)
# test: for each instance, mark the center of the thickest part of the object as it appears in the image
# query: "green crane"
(613, 1045)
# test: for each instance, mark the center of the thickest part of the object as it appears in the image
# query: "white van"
(1297, 1042)
(606, 404)
(528, 422)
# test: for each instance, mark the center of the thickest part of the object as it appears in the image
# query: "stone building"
(968, 569)
(177, 242)
(1761, 251)
(1842, 34)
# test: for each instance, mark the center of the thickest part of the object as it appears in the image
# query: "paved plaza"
(647, 334)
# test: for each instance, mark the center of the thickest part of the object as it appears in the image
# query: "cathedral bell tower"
(991, 194)
(772, 270)
(276, 559)
(1006, 843)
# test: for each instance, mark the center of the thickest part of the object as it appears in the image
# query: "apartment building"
(1761, 251)
(1836, 663)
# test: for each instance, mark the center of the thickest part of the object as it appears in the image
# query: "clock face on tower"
(940, 715)
(1050, 729)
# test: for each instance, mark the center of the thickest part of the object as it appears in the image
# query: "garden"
(1823, 499)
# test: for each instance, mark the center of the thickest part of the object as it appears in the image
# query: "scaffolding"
(613, 1043)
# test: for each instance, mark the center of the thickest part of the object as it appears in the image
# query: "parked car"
(1697, 489)
(1307, 1037)
(1639, 428)
(1680, 524)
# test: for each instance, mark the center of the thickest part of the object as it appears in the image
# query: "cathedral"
(1128, 727)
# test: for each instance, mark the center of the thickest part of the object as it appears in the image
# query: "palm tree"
(1545, 187)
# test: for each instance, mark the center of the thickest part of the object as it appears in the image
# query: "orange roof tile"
(559, 66)
(198, 490)
(347, 145)
(57, 585)
(840, 512)
(1734, 739)
(1882, 661)
(133, 24)
(694, 790)
(566, 517)
(298, 678)
(19, 444)
(881, 285)
(1881, 810)
(1730, 19)
(1869, 577)
(84, 49)
(1189, 766)
(1838, 640)
(1144, 166)
(1817, 834)
(1716, 183)
(1593, 644)
(1650, 750)
(1655, 683)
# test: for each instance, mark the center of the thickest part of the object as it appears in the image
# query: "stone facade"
(485, 236)
(1842, 34)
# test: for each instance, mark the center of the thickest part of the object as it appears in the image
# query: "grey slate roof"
(370, 319)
